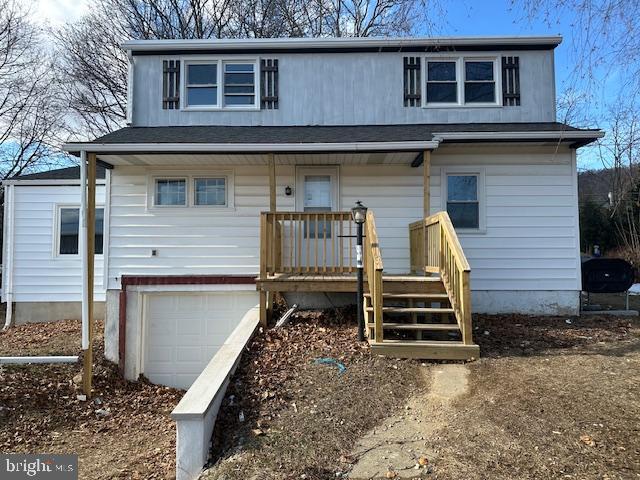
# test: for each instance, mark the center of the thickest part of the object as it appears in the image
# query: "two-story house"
(243, 158)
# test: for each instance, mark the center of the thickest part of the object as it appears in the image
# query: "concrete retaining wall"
(196, 413)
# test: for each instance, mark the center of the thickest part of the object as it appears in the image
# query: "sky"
(460, 18)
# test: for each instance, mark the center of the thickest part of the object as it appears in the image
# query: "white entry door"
(316, 192)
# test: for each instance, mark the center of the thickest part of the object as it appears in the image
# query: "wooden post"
(90, 216)
(467, 332)
(272, 183)
(427, 187)
(273, 235)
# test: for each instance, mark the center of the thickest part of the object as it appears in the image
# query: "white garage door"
(183, 331)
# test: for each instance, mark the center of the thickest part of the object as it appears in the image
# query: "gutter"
(550, 135)
(106, 148)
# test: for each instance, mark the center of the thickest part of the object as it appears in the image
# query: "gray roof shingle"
(313, 134)
(69, 173)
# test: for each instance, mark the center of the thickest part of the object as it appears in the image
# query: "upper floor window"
(239, 84)
(461, 81)
(479, 82)
(442, 84)
(202, 84)
(216, 84)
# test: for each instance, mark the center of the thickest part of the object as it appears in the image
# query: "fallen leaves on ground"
(309, 414)
(122, 431)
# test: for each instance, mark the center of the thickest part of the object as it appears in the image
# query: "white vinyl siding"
(39, 275)
(529, 243)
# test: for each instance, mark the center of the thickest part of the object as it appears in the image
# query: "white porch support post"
(83, 253)
(427, 187)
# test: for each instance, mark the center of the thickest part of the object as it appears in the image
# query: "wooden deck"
(424, 314)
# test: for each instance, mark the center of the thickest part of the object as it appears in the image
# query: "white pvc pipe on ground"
(26, 360)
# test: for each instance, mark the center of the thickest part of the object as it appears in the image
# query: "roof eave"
(355, 147)
(550, 41)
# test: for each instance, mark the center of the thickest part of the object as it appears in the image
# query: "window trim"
(190, 178)
(221, 61)
(57, 218)
(482, 213)
(460, 78)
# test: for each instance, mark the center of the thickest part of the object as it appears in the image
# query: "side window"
(463, 205)
(69, 231)
(442, 83)
(479, 82)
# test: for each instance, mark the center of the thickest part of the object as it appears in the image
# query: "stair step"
(426, 349)
(438, 296)
(412, 310)
(418, 326)
(411, 278)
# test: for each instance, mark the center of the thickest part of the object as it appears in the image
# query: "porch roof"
(314, 138)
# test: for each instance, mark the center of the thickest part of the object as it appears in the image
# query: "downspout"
(9, 212)
(130, 75)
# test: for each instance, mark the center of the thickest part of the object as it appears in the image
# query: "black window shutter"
(269, 83)
(170, 84)
(412, 83)
(510, 81)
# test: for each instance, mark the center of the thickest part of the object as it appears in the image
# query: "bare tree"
(605, 37)
(30, 113)
(96, 68)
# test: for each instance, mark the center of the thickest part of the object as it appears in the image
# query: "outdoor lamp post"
(359, 214)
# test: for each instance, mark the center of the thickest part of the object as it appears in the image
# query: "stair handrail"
(436, 247)
(373, 268)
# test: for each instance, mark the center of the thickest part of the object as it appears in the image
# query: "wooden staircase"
(426, 315)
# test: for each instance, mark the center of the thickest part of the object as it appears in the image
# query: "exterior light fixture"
(359, 214)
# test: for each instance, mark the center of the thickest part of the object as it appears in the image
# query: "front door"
(316, 192)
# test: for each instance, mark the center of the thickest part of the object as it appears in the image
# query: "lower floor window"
(462, 201)
(210, 191)
(69, 231)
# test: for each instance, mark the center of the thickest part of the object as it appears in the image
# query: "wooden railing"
(373, 269)
(307, 243)
(435, 248)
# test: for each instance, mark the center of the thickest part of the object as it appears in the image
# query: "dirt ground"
(124, 431)
(550, 398)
